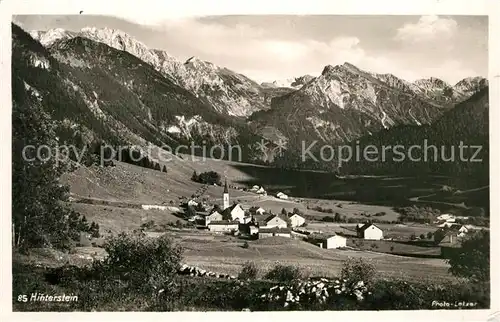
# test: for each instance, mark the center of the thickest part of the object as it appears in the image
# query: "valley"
(185, 217)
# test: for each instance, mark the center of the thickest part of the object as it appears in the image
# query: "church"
(235, 211)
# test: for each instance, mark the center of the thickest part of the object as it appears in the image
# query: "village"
(255, 222)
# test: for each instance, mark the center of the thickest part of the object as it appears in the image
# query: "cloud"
(264, 56)
(428, 28)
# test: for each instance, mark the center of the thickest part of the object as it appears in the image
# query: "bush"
(148, 225)
(357, 269)
(249, 271)
(472, 260)
(245, 245)
(283, 273)
(145, 263)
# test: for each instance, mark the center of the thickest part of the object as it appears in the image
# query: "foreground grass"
(186, 293)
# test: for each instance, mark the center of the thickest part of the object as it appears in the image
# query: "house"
(249, 229)
(329, 242)
(275, 232)
(296, 220)
(192, 203)
(256, 210)
(448, 225)
(255, 188)
(370, 232)
(235, 212)
(223, 226)
(281, 195)
(450, 244)
(444, 217)
(275, 221)
(214, 216)
(261, 191)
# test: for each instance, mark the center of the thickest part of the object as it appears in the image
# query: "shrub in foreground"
(358, 269)
(283, 273)
(249, 271)
(141, 261)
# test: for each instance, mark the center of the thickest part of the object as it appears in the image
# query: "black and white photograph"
(249, 162)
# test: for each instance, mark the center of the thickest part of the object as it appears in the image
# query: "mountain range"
(103, 83)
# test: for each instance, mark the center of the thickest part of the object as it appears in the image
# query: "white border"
(177, 8)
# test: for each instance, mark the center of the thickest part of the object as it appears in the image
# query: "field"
(398, 231)
(225, 254)
(126, 184)
(117, 219)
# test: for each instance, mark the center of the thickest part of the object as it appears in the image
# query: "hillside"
(224, 90)
(100, 94)
(467, 123)
(345, 103)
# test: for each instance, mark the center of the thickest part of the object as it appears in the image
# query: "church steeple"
(225, 196)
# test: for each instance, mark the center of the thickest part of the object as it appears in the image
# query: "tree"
(38, 216)
(422, 236)
(337, 217)
(284, 212)
(164, 168)
(429, 235)
(210, 177)
(472, 260)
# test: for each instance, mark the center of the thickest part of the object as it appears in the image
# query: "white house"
(255, 188)
(335, 241)
(297, 220)
(371, 232)
(261, 191)
(236, 213)
(447, 225)
(275, 221)
(222, 226)
(281, 195)
(260, 211)
(275, 232)
(214, 216)
(445, 217)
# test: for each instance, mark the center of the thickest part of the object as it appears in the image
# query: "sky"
(273, 47)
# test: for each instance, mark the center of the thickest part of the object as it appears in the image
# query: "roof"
(275, 230)
(319, 237)
(365, 226)
(268, 218)
(296, 215)
(456, 241)
(223, 222)
(229, 209)
(215, 212)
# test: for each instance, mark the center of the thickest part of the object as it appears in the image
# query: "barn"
(370, 231)
(275, 231)
(223, 226)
